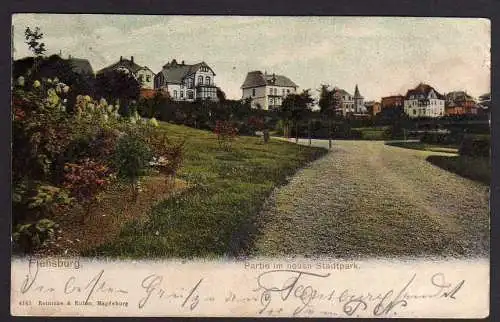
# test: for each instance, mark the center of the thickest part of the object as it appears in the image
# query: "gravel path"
(365, 198)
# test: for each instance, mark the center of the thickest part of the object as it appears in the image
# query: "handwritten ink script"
(264, 292)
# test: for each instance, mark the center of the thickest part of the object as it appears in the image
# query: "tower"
(358, 101)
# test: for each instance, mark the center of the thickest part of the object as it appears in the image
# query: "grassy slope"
(215, 216)
(425, 146)
(474, 168)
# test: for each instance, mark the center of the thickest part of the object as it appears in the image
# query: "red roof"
(150, 93)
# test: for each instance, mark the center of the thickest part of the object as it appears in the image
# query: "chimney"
(121, 58)
(69, 56)
(132, 58)
(182, 63)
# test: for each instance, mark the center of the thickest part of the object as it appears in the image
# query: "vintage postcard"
(248, 166)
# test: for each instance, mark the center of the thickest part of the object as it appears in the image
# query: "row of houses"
(190, 82)
(425, 101)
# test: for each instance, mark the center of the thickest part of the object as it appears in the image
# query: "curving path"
(365, 198)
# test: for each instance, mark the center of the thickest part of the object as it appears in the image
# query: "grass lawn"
(372, 133)
(215, 216)
(474, 168)
(425, 146)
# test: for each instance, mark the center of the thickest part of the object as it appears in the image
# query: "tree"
(33, 40)
(328, 103)
(294, 108)
(221, 96)
(118, 85)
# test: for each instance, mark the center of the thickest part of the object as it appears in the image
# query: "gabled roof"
(123, 63)
(340, 91)
(458, 96)
(423, 89)
(81, 66)
(175, 73)
(257, 79)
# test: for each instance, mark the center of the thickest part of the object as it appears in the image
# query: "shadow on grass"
(474, 168)
(416, 145)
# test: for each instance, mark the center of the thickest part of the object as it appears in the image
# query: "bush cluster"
(475, 146)
(63, 160)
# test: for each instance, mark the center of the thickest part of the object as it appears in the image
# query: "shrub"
(104, 143)
(167, 158)
(35, 198)
(27, 237)
(85, 180)
(131, 159)
(226, 133)
(153, 122)
(476, 147)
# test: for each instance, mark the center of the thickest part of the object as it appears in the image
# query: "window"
(182, 94)
(175, 94)
(190, 94)
(253, 92)
(207, 80)
(190, 83)
(414, 112)
(288, 91)
(148, 78)
(140, 78)
(275, 91)
(270, 91)
(200, 80)
(283, 92)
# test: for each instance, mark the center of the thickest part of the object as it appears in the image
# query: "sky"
(383, 55)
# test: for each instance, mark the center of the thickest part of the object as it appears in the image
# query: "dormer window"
(207, 80)
(200, 80)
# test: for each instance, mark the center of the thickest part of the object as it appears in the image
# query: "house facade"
(184, 82)
(460, 103)
(267, 91)
(347, 103)
(424, 101)
(394, 101)
(142, 74)
(373, 108)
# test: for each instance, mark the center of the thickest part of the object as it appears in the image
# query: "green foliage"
(46, 195)
(27, 237)
(114, 85)
(475, 147)
(33, 38)
(327, 101)
(227, 188)
(131, 157)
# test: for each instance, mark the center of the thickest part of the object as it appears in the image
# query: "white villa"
(185, 82)
(424, 101)
(267, 91)
(143, 74)
(349, 104)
